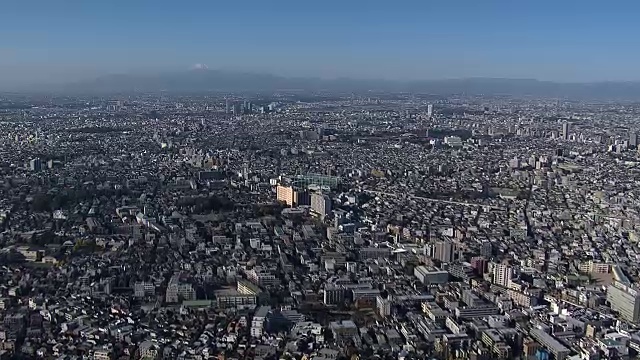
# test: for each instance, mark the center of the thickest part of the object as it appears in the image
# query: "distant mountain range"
(202, 80)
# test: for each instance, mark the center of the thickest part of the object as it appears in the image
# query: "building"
(529, 347)
(261, 276)
(247, 288)
(231, 298)
(453, 141)
(343, 330)
(178, 290)
(292, 196)
(592, 267)
(559, 351)
(565, 131)
(383, 305)
(625, 300)
(471, 299)
(479, 264)
(365, 294)
(142, 289)
(463, 271)
(502, 274)
(320, 204)
(334, 294)
(115, 105)
(259, 320)
(443, 251)
(486, 249)
(430, 276)
(633, 140)
(35, 164)
(430, 110)
(30, 254)
(149, 350)
(285, 194)
(102, 354)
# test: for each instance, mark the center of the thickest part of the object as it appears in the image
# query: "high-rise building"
(35, 164)
(429, 110)
(245, 171)
(285, 194)
(479, 264)
(633, 140)
(486, 249)
(292, 196)
(227, 106)
(320, 204)
(625, 300)
(444, 251)
(384, 306)
(565, 131)
(502, 274)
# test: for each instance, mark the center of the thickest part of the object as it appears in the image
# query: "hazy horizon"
(51, 43)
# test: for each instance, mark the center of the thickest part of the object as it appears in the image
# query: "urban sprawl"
(318, 227)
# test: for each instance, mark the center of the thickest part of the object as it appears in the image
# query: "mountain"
(202, 80)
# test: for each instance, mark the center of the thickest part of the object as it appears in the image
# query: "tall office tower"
(237, 109)
(444, 251)
(429, 110)
(633, 140)
(227, 106)
(502, 274)
(625, 300)
(565, 131)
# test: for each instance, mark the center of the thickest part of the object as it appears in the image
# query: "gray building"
(430, 276)
(320, 204)
(565, 131)
(558, 350)
(625, 300)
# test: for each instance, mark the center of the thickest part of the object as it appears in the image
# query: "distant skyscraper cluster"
(115, 105)
(246, 107)
(238, 108)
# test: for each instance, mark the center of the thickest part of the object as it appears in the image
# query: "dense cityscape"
(318, 226)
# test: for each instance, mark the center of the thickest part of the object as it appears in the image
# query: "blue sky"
(562, 40)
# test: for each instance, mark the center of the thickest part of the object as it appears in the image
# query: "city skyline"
(567, 42)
